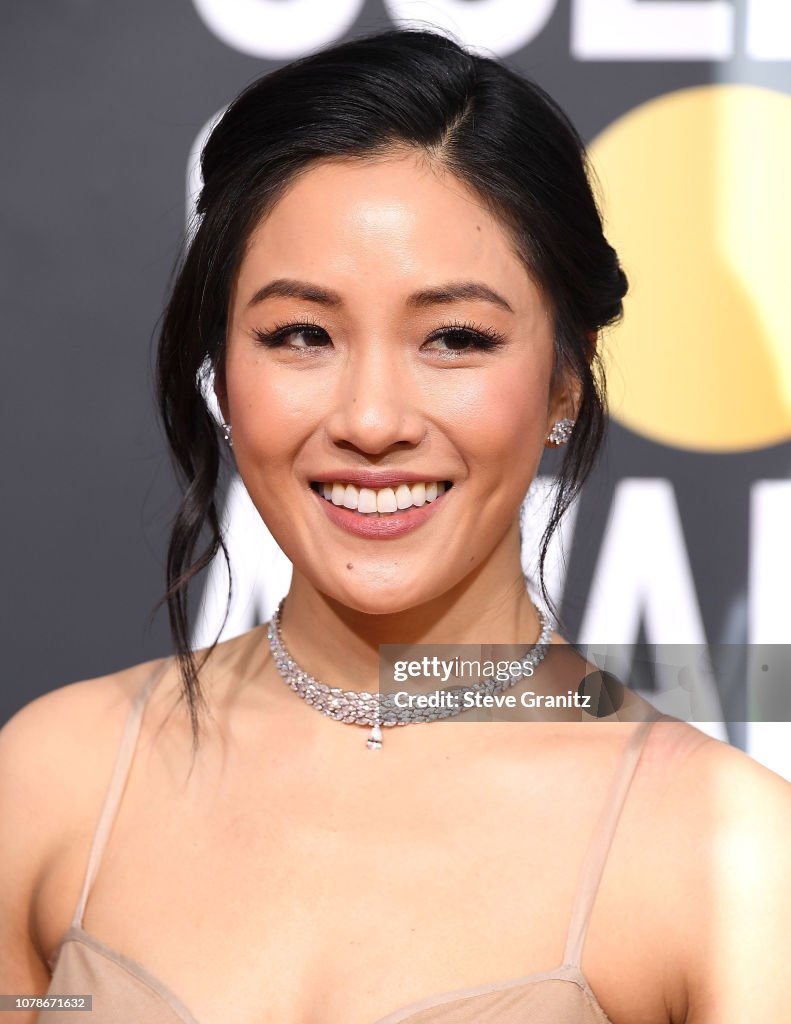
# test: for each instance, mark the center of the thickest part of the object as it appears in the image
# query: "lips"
(374, 478)
(425, 500)
(383, 500)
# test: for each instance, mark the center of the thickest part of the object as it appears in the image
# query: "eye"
(299, 336)
(458, 339)
(452, 340)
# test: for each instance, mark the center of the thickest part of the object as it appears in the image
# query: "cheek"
(502, 415)
(271, 413)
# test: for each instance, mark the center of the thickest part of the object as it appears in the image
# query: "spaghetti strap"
(599, 847)
(115, 788)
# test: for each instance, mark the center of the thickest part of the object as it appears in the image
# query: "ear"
(566, 393)
(564, 402)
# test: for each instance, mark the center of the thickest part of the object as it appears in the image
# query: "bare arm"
(740, 971)
(56, 757)
(25, 813)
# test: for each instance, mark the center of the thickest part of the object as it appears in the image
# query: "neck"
(338, 645)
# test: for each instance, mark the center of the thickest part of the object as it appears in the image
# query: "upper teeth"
(386, 499)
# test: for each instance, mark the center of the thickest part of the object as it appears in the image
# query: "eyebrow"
(452, 291)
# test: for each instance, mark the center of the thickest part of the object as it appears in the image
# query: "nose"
(377, 401)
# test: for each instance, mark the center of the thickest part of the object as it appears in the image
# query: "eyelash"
(485, 339)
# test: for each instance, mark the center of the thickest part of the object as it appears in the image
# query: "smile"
(384, 501)
(383, 513)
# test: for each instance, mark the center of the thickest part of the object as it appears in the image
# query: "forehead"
(396, 221)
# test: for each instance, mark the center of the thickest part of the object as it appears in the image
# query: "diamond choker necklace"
(357, 707)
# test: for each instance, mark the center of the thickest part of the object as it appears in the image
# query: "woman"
(396, 286)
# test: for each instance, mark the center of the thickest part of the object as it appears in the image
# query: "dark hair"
(495, 130)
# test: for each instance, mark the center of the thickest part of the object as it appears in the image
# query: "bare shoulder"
(726, 822)
(56, 755)
(58, 734)
(716, 795)
(719, 785)
(747, 808)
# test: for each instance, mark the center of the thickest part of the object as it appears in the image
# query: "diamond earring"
(226, 433)
(561, 431)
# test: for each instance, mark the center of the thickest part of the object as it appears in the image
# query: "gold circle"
(697, 202)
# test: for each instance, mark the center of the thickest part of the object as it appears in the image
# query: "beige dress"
(123, 991)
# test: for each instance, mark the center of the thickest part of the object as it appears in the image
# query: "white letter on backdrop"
(278, 29)
(643, 573)
(651, 30)
(643, 570)
(534, 517)
(769, 629)
(770, 562)
(261, 573)
(769, 30)
(499, 27)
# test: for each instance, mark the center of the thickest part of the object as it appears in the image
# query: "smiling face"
(384, 344)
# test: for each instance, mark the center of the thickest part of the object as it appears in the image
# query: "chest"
(316, 895)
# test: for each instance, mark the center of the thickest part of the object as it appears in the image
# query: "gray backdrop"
(102, 103)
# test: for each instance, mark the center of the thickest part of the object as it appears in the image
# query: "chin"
(378, 598)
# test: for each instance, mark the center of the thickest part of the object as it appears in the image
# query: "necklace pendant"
(374, 741)
(359, 708)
